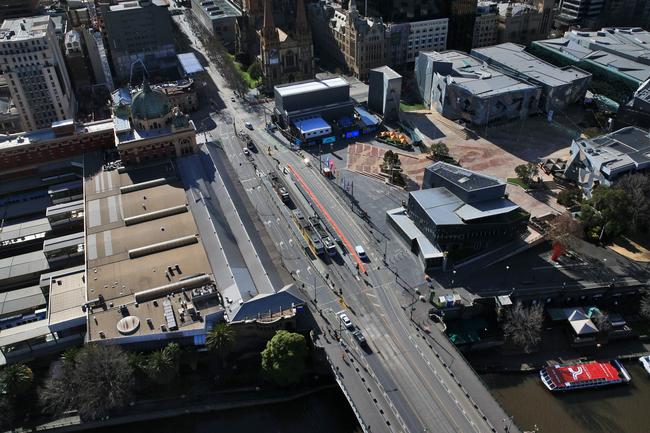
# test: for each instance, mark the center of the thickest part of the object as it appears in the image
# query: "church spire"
(301, 19)
(268, 26)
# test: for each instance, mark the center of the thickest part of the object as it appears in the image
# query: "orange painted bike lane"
(340, 234)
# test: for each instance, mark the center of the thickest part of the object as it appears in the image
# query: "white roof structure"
(583, 327)
(311, 86)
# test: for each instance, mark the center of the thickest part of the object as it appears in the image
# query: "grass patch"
(517, 181)
(250, 82)
(411, 107)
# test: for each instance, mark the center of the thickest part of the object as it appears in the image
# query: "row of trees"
(219, 56)
(96, 379)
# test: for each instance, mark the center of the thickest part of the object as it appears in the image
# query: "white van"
(360, 252)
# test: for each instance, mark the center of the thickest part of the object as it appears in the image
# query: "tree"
(255, 70)
(564, 229)
(220, 341)
(161, 366)
(523, 326)
(284, 358)
(569, 197)
(644, 307)
(16, 380)
(439, 151)
(393, 166)
(527, 172)
(637, 188)
(608, 210)
(98, 380)
(603, 323)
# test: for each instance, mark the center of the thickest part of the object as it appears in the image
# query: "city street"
(406, 381)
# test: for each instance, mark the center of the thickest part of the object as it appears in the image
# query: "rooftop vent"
(128, 325)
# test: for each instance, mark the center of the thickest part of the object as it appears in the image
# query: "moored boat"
(645, 363)
(591, 374)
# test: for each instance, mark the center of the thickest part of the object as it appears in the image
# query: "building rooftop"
(439, 204)
(141, 243)
(21, 300)
(217, 9)
(20, 29)
(35, 137)
(22, 265)
(310, 86)
(630, 43)
(475, 76)
(623, 150)
(67, 295)
(465, 179)
(517, 8)
(311, 124)
(514, 58)
(387, 71)
(190, 63)
(24, 231)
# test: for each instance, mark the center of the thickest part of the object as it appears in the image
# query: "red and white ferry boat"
(587, 375)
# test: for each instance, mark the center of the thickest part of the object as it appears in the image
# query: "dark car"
(359, 337)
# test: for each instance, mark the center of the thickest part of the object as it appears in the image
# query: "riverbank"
(554, 349)
(182, 405)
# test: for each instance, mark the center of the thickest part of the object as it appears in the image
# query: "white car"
(248, 125)
(246, 152)
(360, 252)
(645, 363)
(345, 320)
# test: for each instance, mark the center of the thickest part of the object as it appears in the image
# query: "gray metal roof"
(466, 179)
(24, 229)
(19, 300)
(70, 240)
(475, 76)
(623, 150)
(267, 304)
(306, 87)
(514, 58)
(64, 207)
(439, 204)
(22, 264)
(484, 209)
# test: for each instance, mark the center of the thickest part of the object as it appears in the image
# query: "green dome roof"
(149, 104)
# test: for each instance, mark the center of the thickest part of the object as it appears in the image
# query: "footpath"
(146, 410)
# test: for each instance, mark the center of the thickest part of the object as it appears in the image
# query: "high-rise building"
(98, 57)
(461, 14)
(17, 8)
(76, 60)
(486, 24)
(360, 43)
(599, 13)
(140, 30)
(525, 21)
(33, 65)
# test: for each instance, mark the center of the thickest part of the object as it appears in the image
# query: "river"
(324, 412)
(617, 409)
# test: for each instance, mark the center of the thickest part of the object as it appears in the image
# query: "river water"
(617, 409)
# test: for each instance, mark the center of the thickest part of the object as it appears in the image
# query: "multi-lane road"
(407, 381)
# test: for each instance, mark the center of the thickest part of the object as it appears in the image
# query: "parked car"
(247, 152)
(345, 320)
(248, 125)
(360, 252)
(359, 337)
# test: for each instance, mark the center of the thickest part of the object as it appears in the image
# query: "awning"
(367, 118)
(189, 63)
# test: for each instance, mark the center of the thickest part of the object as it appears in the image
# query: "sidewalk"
(182, 405)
